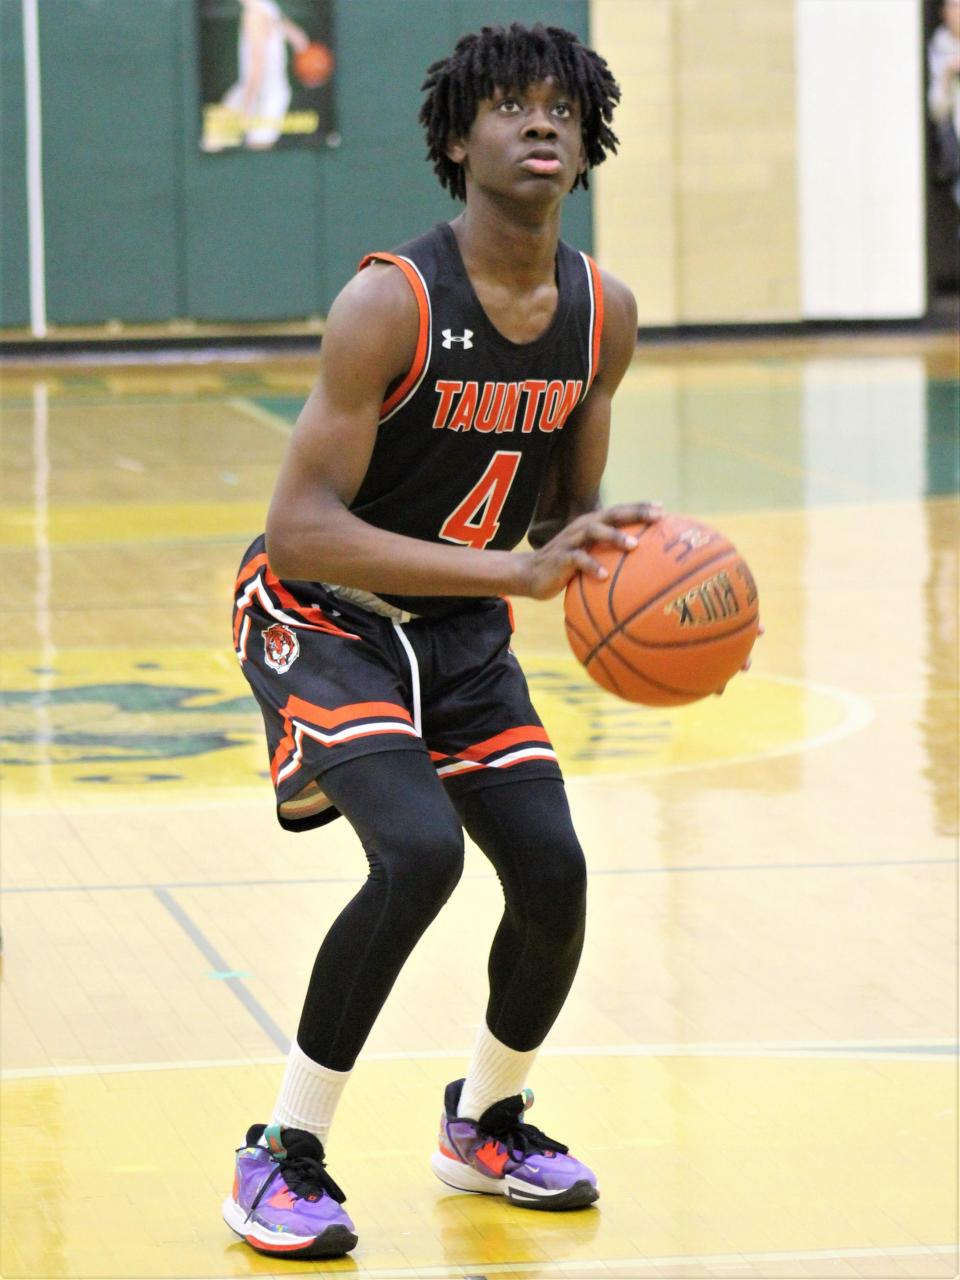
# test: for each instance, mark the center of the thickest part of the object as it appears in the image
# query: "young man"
(463, 401)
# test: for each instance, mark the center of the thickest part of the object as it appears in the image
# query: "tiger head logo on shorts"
(281, 648)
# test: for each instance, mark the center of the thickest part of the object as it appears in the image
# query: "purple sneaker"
(284, 1202)
(500, 1155)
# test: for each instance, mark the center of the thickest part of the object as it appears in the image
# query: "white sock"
(309, 1094)
(495, 1073)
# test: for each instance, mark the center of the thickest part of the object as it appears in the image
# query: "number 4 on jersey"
(476, 520)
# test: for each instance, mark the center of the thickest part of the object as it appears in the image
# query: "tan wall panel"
(698, 213)
(634, 222)
(736, 186)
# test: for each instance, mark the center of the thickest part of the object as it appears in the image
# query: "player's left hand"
(749, 662)
(547, 570)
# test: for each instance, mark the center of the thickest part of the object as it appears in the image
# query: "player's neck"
(495, 243)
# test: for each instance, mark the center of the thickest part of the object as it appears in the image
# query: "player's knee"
(563, 883)
(437, 866)
(553, 900)
(426, 860)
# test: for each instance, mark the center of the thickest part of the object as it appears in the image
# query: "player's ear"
(456, 151)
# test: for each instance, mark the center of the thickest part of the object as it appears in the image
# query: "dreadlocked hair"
(512, 58)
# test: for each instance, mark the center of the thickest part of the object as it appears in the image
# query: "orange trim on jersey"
(597, 313)
(278, 762)
(314, 617)
(479, 768)
(423, 331)
(513, 622)
(499, 742)
(250, 568)
(311, 613)
(325, 718)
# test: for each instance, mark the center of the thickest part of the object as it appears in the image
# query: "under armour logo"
(449, 338)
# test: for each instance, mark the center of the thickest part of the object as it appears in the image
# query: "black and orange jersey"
(465, 435)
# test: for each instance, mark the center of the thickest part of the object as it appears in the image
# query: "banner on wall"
(266, 74)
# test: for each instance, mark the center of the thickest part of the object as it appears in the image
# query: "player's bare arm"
(403, 479)
(295, 36)
(311, 533)
(568, 519)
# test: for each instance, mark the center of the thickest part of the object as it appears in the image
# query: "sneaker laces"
(303, 1171)
(304, 1175)
(502, 1121)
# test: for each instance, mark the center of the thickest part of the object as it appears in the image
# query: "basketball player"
(261, 96)
(463, 401)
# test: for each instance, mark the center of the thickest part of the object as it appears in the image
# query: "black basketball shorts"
(336, 681)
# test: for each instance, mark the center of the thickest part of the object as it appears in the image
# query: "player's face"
(525, 142)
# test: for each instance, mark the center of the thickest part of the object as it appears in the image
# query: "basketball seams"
(694, 626)
(694, 641)
(574, 631)
(616, 573)
(690, 694)
(586, 608)
(577, 633)
(664, 591)
(617, 688)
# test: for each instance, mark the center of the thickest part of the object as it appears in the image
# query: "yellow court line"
(859, 714)
(111, 524)
(855, 714)
(118, 524)
(259, 414)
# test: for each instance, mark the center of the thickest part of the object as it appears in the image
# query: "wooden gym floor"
(760, 1053)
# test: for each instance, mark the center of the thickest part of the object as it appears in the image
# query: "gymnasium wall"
(142, 227)
(860, 146)
(14, 276)
(770, 170)
(772, 159)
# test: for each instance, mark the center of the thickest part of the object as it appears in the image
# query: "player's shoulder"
(373, 325)
(619, 304)
(618, 337)
(378, 297)
(392, 280)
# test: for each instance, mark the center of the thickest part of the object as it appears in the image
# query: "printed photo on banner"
(266, 74)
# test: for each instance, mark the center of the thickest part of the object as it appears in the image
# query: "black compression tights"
(411, 834)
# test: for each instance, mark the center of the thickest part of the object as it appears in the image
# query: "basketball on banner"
(266, 74)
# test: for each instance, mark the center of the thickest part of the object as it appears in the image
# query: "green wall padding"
(141, 226)
(110, 75)
(14, 265)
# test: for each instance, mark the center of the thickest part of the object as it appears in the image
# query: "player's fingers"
(586, 564)
(599, 530)
(634, 513)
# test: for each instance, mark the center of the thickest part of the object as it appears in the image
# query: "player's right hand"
(546, 571)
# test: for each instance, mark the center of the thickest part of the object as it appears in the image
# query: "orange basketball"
(675, 619)
(313, 65)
